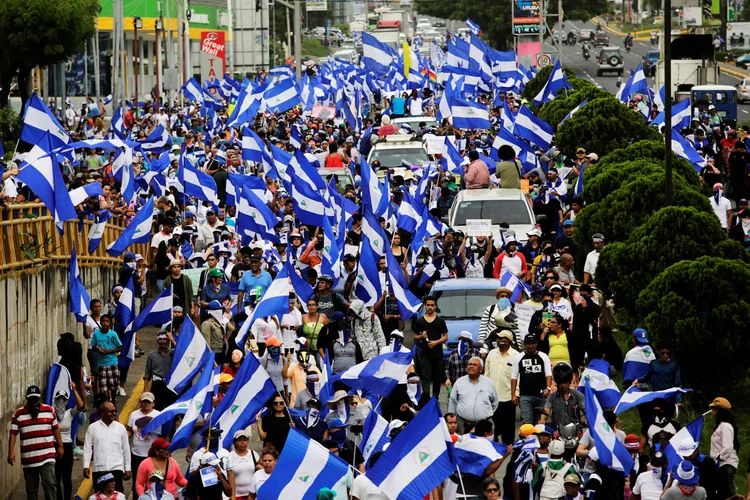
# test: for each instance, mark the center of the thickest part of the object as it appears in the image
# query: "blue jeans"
(528, 414)
(160, 285)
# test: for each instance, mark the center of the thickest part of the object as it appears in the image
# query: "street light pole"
(157, 28)
(137, 24)
(541, 33)
(668, 101)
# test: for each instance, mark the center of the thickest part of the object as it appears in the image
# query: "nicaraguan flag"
(157, 140)
(79, 297)
(96, 231)
(374, 194)
(295, 139)
(199, 405)
(596, 375)
(138, 231)
(680, 116)
(474, 454)
(252, 146)
(192, 91)
(473, 27)
(529, 127)
(158, 312)
(469, 114)
(40, 172)
(675, 449)
(246, 106)
(254, 218)
(374, 435)
(39, 120)
(124, 314)
(304, 467)
(249, 392)
(634, 397)
(408, 304)
(409, 213)
(275, 302)
(196, 183)
(282, 97)
(511, 281)
(118, 123)
(451, 160)
(376, 55)
(684, 149)
(636, 362)
(556, 82)
(380, 374)
(612, 453)
(572, 111)
(78, 195)
(190, 356)
(420, 457)
(58, 380)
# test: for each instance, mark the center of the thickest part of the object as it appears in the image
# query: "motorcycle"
(654, 41)
(586, 53)
(628, 46)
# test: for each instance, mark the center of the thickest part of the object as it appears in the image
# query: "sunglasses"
(664, 353)
(278, 403)
(491, 490)
(553, 321)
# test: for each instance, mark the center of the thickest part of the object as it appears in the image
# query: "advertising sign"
(317, 5)
(526, 17)
(213, 55)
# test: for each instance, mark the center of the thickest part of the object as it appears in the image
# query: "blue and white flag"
(157, 140)
(190, 356)
(612, 453)
(418, 459)
(40, 172)
(282, 97)
(254, 218)
(684, 149)
(409, 213)
(199, 404)
(247, 106)
(680, 116)
(473, 27)
(58, 381)
(158, 312)
(304, 467)
(380, 374)
(96, 231)
(376, 55)
(192, 91)
(252, 146)
(636, 362)
(533, 129)
(572, 111)
(368, 275)
(79, 195)
(118, 123)
(38, 120)
(556, 82)
(515, 285)
(374, 435)
(597, 375)
(678, 446)
(138, 231)
(249, 392)
(124, 314)
(474, 454)
(196, 183)
(275, 302)
(374, 194)
(451, 160)
(639, 84)
(79, 297)
(295, 138)
(107, 99)
(469, 114)
(634, 397)
(408, 304)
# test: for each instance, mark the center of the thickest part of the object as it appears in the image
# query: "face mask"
(484, 138)
(420, 261)
(745, 225)
(341, 408)
(312, 417)
(302, 358)
(60, 407)
(463, 348)
(503, 303)
(274, 352)
(717, 196)
(34, 406)
(313, 387)
(549, 251)
(396, 342)
(157, 488)
(131, 265)
(340, 437)
(414, 392)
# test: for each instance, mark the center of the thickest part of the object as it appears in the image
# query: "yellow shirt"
(499, 368)
(298, 378)
(558, 349)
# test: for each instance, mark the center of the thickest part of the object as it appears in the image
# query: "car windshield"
(601, 35)
(342, 178)
(510, 211)
(392, 157)
(654, 54)
(464, 304)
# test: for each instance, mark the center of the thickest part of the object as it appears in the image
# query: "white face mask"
(745, 225)
(131, 265)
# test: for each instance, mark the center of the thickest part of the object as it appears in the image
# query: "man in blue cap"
(347, 450)
(638, 358)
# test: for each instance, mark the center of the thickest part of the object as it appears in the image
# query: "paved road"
(573, 58)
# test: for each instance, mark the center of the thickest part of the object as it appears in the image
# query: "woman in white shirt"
(65, 417)
(243, 463)
(724, 446)
(268, 460)
(290, 324)
(560, 304)
(473, 263)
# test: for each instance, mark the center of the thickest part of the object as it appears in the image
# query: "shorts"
(109, 378)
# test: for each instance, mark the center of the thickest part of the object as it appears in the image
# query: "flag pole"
(461, 480)
(291, 421)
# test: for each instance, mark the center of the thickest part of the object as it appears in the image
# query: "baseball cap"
(529, 339)
(33, 391)
(105, 479)
(640, 336)
(556, 447)
(397, 333)
(160, 444)
(632, 442)
(572, 479)
(225, 378)
(565, 224)
(721, 403)
(336, 423)
(209, 458)
(147, 396)
(527, 430)
(597, 237)
(241, 433)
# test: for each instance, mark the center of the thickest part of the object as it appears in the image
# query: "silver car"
(743, 90)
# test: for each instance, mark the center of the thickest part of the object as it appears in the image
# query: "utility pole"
(668, 102)
(297, 32)
(541, 32)
(560, 25)
(230, 33)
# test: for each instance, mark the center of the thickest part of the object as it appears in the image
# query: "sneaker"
(121, 392)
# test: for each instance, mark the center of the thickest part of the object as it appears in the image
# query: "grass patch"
(694, 404)
(640, 27)
(314, 48)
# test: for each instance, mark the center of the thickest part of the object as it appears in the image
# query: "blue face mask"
(503, 303)
(463, 348)
(340, 437)
(396, 342)
(274, 352)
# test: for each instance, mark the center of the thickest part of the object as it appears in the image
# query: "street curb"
(86, 489)
(722, 69)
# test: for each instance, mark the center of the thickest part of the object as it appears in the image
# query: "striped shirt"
(37, 435)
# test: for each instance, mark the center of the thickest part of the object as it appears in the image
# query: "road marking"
(744, 111)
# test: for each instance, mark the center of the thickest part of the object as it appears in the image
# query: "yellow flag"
(407, 59)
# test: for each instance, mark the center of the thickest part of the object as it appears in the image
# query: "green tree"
(670, 235)
(602, 125)
(10, 129)
(536, 84)
(40, 33)
(600, 180)
(554, 111)
(701, 308)
(627, 207)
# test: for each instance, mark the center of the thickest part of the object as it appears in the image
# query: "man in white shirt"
(362, 487)
(498, 367)
(721, 206)
(592, 259)
(107, 442)
(206, 231)
(137, 421)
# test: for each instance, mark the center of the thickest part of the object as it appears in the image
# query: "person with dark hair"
(431, 332)
(565, 405)
(663, 373)
(556, 337)
(106, 344)
(609, 350)
(508, 170)
(491, 488)
(582, 338)
(725, 445)
(273, 429)
(477, 174)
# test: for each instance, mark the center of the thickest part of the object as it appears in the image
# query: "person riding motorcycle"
(571, 38)
(586, 52)
(565, 408)
(628, 41)
(654, 37)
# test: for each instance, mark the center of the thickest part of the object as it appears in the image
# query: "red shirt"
(37, 435)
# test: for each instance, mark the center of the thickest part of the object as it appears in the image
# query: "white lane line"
(745, 111)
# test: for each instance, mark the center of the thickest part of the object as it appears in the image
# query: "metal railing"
(29, 239)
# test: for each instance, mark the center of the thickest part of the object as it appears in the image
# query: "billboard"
(213, 55)
(526, 17)
(316, 5)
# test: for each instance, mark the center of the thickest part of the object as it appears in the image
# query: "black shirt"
(350, 452)
(531, 378)
(276, 429)
(238, 270)
(195, 488)
(435, 331)
(178, 289)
